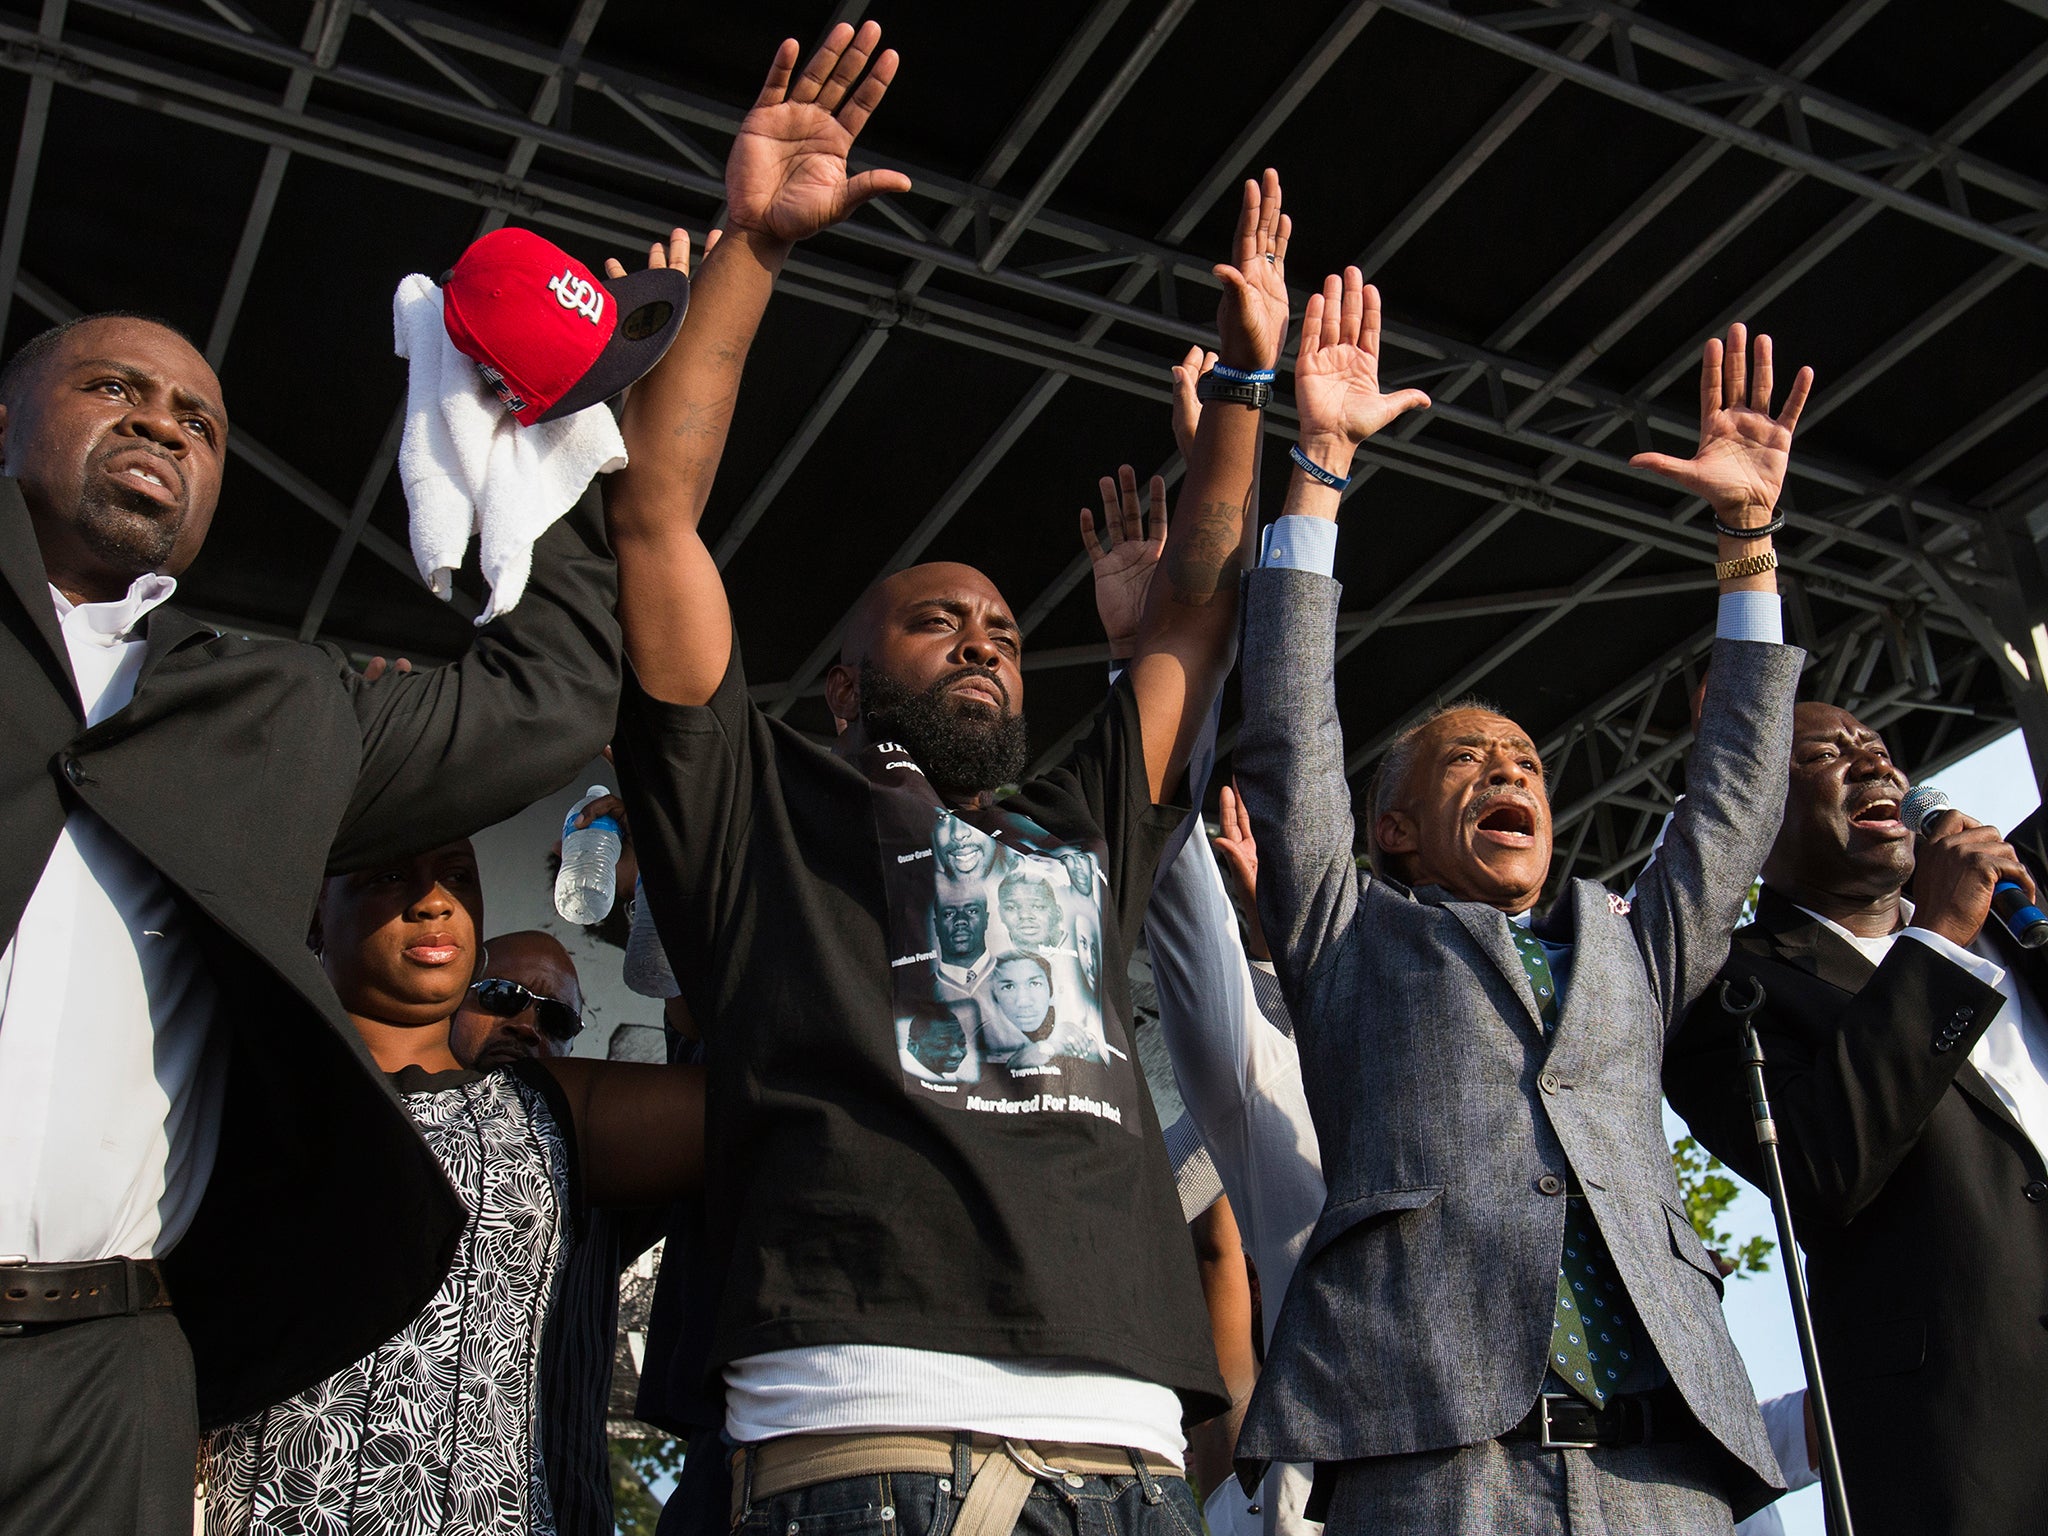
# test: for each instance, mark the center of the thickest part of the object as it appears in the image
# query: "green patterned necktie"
(1592, 1340)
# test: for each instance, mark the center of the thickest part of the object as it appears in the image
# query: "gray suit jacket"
(1420, 1315)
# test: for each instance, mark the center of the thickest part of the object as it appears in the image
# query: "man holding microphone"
(1907, 1062)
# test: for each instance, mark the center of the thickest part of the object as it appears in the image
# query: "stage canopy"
(1560, 201)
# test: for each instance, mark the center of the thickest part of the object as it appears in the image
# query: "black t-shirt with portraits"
(926, 1123)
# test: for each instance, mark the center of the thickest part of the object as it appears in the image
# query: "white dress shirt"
(110, 1073)
(2012, 1054)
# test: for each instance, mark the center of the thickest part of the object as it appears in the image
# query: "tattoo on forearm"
(1203, 554)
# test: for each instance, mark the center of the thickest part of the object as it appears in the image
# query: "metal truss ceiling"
(1916, 589)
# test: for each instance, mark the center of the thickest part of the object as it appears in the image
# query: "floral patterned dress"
(435, 1430)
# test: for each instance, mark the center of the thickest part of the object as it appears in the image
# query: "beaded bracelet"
(1316, 471)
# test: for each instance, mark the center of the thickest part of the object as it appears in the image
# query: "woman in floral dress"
(435, 1431)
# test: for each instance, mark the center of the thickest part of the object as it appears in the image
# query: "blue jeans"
(913, 1504)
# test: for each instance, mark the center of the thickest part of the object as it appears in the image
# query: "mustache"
(1513, 794)
(979, 675)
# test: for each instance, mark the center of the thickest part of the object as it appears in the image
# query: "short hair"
(1392, 773)
(30, 354)
(1018, 879)
(1009, 957)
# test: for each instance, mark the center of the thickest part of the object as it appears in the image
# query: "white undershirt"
(843, 1388)
(110, 1075)
(2012, 1054)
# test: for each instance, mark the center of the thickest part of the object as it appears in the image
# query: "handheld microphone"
(2027, 923)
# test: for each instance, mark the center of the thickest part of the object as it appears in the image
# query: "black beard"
(965, 748)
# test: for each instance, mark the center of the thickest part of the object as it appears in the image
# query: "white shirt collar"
(113, 622)
(1881, 942)
(968, 976)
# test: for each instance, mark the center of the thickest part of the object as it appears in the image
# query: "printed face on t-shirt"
(938, 1042)
(962, 925)
(963, 853)
(1022, 987)
(1031, 912)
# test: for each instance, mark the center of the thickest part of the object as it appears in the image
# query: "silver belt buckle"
(1546, 1439)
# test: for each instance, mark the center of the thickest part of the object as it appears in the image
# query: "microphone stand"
(1837, 1498)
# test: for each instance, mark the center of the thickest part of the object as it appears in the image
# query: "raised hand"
(786, 177)
(1740, 466)
(1337, 374)
(1187, 405)
(1238, 853)
(1125, 557)
(672, 252)
(1252, 319)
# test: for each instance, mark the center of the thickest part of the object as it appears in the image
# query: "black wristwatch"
(1209, 387)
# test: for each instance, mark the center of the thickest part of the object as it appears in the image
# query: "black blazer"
(243, 770)
(1921, 1205)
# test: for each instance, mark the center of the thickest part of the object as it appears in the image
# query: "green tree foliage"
(637, 1465)
(1708, 1191)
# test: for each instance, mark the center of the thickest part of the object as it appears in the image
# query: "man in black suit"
(1907, 1064)
(208, 1197)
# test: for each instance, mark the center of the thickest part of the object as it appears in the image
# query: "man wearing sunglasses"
(527, 1003)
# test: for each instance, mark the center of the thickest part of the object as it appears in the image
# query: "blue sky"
(1995, 784)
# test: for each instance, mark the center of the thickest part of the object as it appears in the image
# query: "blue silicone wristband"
(1316, 471)
(1243, 375)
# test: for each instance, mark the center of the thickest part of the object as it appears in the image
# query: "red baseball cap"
(547, 333)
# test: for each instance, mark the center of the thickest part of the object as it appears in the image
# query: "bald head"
(945, 581)
(932, 658)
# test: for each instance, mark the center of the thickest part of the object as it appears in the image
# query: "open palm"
(1124, 557)
(1740, 466)
(1252, 318)
(1337, 374)
(786, 176)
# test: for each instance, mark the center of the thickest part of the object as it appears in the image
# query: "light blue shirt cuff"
(1302, 544)
(1743, 616)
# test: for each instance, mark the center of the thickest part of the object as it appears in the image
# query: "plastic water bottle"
(588, 883)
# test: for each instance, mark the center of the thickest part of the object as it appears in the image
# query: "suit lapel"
(1584, 918)
(21, 564)
(164, 631)
(1489, 930)
(1807, 944)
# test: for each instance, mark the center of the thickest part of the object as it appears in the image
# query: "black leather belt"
(33, 1295)
(1564, 1421)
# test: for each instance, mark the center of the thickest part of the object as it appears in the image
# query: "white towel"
(647, 969)
(468, 466)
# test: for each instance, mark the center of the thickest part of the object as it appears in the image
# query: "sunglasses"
(502, 998)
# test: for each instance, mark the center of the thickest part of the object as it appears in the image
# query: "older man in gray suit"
(1503, 1321)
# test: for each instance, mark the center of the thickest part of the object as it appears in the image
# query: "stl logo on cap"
(579, 294)
(532, 316)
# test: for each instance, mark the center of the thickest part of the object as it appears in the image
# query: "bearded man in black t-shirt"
(957, 1284)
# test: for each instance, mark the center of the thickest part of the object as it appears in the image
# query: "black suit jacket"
(1921, 1206)
(243, 770)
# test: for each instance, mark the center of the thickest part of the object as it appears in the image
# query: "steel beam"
(1891, 137)
(28, 156)
(572, 209)
(1092, 121)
